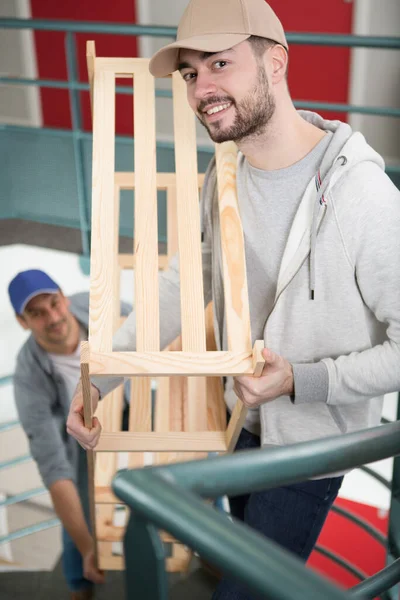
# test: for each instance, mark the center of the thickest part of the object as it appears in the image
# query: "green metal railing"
(169, 498)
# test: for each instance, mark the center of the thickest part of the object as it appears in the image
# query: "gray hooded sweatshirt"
(336, 312)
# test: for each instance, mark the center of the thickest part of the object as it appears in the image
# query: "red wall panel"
(51, 57)
(319, 73)
(315, 72)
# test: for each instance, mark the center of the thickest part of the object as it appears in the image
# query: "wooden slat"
(123, 66)
(233, 254)
(125, 441)
(126, 180)
(234, 269)
(128, 261)
(171, 363)
(172, 230)
(104, 243)
(191, 280)
(216, 407)
(258, 360)
(139, 414)
(146, 236)
(90, 61)
(88, 420)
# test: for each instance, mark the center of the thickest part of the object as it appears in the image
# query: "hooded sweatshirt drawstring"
(320, 201)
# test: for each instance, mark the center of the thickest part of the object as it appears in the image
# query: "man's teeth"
(216, 109)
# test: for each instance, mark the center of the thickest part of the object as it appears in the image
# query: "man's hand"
(87, 438)
(90, 570)
(275, 380)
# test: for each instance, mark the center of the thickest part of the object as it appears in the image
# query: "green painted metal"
(16, 535)
(6, 379)
(240, 552)
(9, 425)
(12, 462)
(387, 484)
(251, 471)
(318, 39)
(143, 546)
(370, 529)
(23, 496)
(129, 91)
(394, 515)
(378, 583)
(167, 496)
(342, 562)
(76, 118)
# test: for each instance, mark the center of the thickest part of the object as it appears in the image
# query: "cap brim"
(165, 61)
(34, 294)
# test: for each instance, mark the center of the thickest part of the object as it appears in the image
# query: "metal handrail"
(315, 39)
(160, 93)
(166, 496)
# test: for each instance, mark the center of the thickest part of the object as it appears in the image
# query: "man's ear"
(22, 322)
(279, 61)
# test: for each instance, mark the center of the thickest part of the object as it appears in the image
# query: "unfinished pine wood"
(146, 236)
(126, 441)
(139, 415)
(216, 408)
(90, 61)
(88, 420)
(104, 243)
(233, 254)
(126, 180)
(171, 363)
(187, 199)
(128, 261)
(258, 359)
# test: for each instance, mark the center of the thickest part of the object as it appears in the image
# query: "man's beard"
(252, 113)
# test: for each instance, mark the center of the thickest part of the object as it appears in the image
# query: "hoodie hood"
(345, 150)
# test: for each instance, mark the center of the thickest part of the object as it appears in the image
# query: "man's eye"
(188, 76)
(220, 63)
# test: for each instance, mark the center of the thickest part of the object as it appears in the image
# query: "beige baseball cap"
(216, 25)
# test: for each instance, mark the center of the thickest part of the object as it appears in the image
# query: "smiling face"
(228, 91)
(49, 319)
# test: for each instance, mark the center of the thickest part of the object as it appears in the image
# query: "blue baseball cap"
(28, 284)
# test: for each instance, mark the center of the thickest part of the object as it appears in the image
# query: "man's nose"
(205, 86)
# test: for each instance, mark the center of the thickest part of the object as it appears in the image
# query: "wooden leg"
(88, 414)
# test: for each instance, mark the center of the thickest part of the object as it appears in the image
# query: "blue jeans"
(72, 560)
(73, 565)
(291, 516)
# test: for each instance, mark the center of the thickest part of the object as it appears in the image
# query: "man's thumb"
(268, 355)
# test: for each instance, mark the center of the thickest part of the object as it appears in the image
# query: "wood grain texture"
(187, 199)
(88, 417)
(233, 253)
(125, 441)
(234, 269)
(104, 244)
(90, 62)
(171, 363)
(139, 414)
(258, 359)
(146, 233)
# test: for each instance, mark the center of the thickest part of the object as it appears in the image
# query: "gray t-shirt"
(268, 201)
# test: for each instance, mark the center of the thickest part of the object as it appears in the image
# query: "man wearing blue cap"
(46, 375)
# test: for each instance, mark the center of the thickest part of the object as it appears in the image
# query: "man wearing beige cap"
(321, 223)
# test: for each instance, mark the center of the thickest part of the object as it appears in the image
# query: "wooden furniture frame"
(204, 408)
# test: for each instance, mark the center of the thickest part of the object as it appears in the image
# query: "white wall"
(375, 76)
(19, 105)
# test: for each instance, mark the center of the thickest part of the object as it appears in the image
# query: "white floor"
(64, 268)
